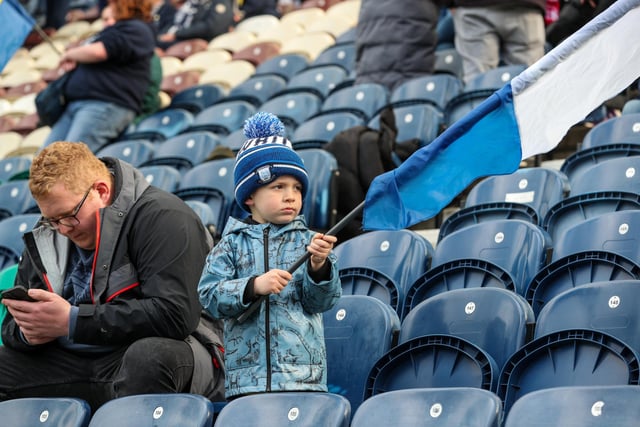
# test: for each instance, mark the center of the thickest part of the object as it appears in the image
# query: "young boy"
(279, 347)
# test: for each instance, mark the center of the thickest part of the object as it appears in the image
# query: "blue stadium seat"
(11, 231)
(460, 105)
(15, 198)
(257, 89)
(320, 204)
(585, 406)
(430, 407)
(197, 98)
(448, 61)
(302, 409)
(496, 320)
(493, 79)
(357, 331)
(616, 130)
(319, 130)
(349, 36)
(509, 197)
(421, 121)
(609, 307)
(158, 410)
(617, 174)
(285, 65)
(162, 176)
(235, 140)
(13, 167)
(161, 125)
(45, 411)
(363, 99)
(573, 357)
(224, 117)
(293, 108)
(134, 151)
(500, 253)
(206, 215)
(343, 54)
(437, 89)
(581, 160)
(319, 80)
(184, 151)
(212, 183)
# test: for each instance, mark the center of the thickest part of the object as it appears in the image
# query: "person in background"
(113, 266)
(490, 33)
(111, 74)
(279, 347)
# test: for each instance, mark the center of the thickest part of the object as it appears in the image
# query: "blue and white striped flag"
(528, 116)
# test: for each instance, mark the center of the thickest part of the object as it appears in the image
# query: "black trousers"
(150, 365)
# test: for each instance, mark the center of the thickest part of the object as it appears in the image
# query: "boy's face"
(277, 202)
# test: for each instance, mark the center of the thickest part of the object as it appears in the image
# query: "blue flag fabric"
(528, 116)
(15, 26)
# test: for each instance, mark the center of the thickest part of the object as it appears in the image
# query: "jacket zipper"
(265, 236)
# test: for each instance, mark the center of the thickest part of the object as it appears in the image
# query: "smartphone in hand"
(17, 292)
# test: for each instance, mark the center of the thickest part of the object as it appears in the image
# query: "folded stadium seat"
(574, 357)
(320, 204)
(212, 183)
(10, 142)
(302, 409)
(162, 176)
(437, 89)
(343, 55)
(603, 248)
(11, 231)
(34, 140)
(302, 16)
(621, 129)
(12, 168)
(320, 80)
(223, 117)
(258, 24)
(441, 407)
(280, 33)
(179, 81)
(18, 62)
(228, 74)
(258, 52)
(197, 97)
(257, 89)
(46, 47)
(293, 108)
(448, 61)
(133, 151)
(587, 406)
(576, 163)
(201, 61)
(397, 256)
(347, 37)
(185, 48)
(319, 130)
(184, 151)
(23, 106)
(498, 321)
(26, 124)
(421, 121)
(618, 174)
(334, 25)
(159, 410)
(608, 306)
(49, 61)
(15, 198)
(308, 44)
(493, 79)
(463, 103)
(170, 65)
(160, 125)
(232, 41)
(500, 253)
(20, 77)
(72, 31)
(358, 330)
(349, 10)
(363, 99)
(526, 194)
(27, 88)
(284, 65)
(55, 411)
(234, 140)
(205, 214)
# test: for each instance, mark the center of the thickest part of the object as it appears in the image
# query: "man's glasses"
(67, 220)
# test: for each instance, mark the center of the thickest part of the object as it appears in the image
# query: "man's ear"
(104, 190)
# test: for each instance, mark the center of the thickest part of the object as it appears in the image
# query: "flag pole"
(332, 231)
(46, 38)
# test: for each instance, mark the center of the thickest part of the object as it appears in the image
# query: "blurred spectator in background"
(573, 15)
(395, 41)
(201, 19)
(250, 8)
(111, 74)
(490, 33)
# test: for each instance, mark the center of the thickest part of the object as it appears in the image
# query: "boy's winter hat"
(264, 156)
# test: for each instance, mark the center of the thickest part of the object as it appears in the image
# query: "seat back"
(184, 151)
(430, 407)
(285, 65)
(12, 166)
(162, 176)
(224, 117)
(320, 204)
(161, 125)
(303, 409)
(11, 231)
(494, 319)
(494, 79)
(421, 121)
(257, 89)
(45, 411)
(363, 99)
(621, 129)
(293, 108)
(317, 131)
(357, 331)
(157, 410)
(134, 151)
(437, 89)
(343, 54)
(15, 198)
(618, 174)
(198, 97)
(585, 406)
(578, 162)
